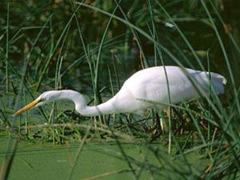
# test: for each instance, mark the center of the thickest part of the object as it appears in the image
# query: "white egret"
(141, 90)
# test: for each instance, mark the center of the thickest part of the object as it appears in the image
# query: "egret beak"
(27, 107)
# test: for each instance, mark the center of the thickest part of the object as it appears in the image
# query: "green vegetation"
(92, 47)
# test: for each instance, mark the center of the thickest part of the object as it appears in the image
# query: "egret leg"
(157, 128)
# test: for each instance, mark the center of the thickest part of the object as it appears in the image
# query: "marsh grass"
(67, 51)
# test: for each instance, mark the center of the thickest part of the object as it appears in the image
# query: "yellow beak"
(27, 107)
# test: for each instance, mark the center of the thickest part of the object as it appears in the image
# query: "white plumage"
(148, 88)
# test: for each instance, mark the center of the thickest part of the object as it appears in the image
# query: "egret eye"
(42, 99)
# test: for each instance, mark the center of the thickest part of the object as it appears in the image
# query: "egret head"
(41, 100)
